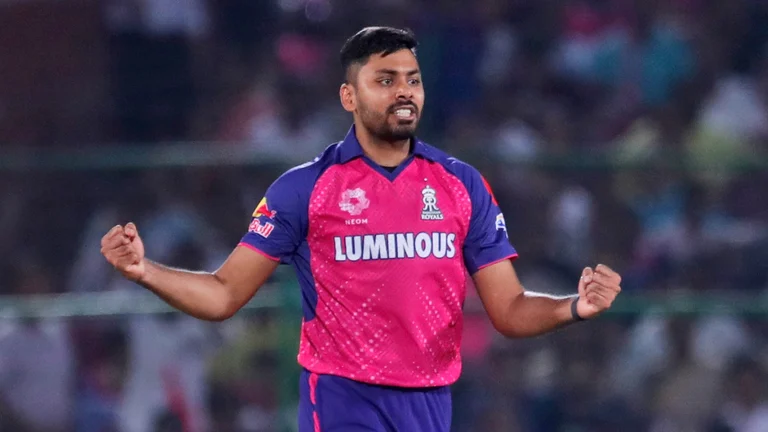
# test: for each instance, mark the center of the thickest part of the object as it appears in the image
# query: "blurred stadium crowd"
(629, 132)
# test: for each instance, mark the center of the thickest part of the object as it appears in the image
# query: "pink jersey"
(382, 259)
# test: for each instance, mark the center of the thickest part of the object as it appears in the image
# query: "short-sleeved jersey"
(382, 259)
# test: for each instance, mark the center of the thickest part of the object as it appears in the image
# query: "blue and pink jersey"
(382, 259)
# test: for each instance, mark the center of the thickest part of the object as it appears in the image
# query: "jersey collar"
(350, 148)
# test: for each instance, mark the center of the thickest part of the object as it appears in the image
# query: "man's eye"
(386, 81)
(415, 81)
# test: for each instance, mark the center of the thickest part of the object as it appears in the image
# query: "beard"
(381, 126)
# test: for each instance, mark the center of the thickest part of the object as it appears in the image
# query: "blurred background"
(628, 132)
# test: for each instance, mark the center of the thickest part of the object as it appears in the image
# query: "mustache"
(396, 107)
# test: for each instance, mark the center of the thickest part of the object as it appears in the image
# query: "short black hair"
(375, 40)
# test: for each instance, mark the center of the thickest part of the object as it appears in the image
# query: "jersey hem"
(508, 257)
(394, 384)
(257, 250)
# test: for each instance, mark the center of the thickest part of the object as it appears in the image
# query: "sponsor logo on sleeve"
(263, 210)
(501, 225)
(263, 229)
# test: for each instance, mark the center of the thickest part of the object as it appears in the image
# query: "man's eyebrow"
(394, 72)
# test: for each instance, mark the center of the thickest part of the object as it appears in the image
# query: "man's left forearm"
(518, 313)
(532, 314)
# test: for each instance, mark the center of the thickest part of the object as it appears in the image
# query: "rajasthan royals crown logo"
(430, 210)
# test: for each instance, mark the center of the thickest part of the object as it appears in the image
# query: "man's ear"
(348, 97)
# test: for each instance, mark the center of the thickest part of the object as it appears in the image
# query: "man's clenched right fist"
(123, 248)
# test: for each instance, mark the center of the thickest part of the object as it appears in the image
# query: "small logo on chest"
(356, 221)
(353, 201)
(430, 210)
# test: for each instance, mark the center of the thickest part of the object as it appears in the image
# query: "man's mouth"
(405, 113)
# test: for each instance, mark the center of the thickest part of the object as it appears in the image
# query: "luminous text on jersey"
(395, 246)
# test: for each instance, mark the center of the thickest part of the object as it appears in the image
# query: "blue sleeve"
(487, 241)
(279, 223)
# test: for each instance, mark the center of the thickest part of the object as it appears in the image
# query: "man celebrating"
(382, 229)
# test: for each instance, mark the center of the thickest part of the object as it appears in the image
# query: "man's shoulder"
(458, 167)
(308, 172)
(291, 191)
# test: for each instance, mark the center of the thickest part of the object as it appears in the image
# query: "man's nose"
(404, 91)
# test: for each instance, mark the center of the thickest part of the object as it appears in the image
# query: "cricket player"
(382, 230)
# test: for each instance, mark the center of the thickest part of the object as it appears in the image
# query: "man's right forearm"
(199, 294)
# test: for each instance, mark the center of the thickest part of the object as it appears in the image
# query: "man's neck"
(384, 153)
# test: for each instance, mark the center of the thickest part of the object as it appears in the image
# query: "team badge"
(353, 201)
(430, 210)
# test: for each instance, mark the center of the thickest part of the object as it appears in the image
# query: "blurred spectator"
(501, 45)
(643, 59)
(277, 118)
(246, 27)
(584, 23)
(732, 122)
(688, 389)
(571, 223)
(103, 379)
(36, 364)
(246, 368)
(648, 351)
(168, 422)
(745, 408)
(152, 58)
